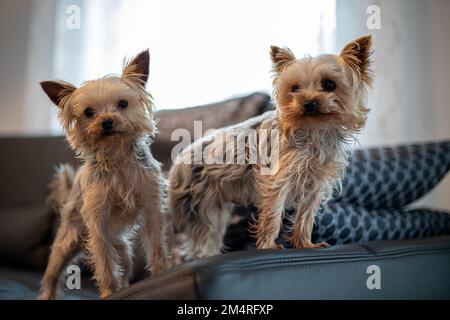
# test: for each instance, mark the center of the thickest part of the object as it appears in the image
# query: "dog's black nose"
(107, 125)
(311, 107)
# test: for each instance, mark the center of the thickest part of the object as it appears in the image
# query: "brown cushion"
(26, 165)
(213, 116)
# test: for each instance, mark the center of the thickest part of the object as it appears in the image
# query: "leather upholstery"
(409, 269)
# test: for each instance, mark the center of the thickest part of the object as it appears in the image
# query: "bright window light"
(201, 51)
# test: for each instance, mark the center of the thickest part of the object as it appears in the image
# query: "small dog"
(321, 104)
(118, 191)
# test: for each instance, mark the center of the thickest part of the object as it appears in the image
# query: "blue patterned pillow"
(341, 223)
(392, 177)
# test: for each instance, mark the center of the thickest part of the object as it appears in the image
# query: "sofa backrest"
(212, 116)
(26, 167)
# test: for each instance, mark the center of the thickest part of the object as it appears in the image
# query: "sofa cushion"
(23, 284)
(25, 234)
(408, 269)
(212, 116)
(392, 177)
(345, 223)
(26, 167)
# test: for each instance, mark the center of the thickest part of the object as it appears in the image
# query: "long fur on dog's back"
(60, 187)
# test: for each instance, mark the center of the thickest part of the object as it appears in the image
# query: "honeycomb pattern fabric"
(343, 223)
(393, 177)
(379, 183)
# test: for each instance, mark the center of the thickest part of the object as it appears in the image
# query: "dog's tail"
(60, 187)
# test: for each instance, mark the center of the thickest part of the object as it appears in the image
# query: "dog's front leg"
(99, 247)
(154, 234)
(304, 222)
(99, 244)
(270, 218)
(65, 247)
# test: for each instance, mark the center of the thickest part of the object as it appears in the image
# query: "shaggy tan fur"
(117, 193)
(312, 157)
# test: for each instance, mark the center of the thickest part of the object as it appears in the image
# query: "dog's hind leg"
(205, 235)
(124, 249)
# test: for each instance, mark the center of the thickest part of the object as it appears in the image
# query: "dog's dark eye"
(88, 112)
(295, 88)
(328, 85)
(122, 104)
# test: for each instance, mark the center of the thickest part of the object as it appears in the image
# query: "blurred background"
(206, 51)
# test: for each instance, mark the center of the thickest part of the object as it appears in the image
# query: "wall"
(26, 57)
(15, 16)
(411, 96)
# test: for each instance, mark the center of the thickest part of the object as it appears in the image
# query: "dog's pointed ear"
(57, 90)
(357, 55)
(280, 57)
(138, 67)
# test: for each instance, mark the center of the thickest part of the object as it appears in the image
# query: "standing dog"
(321, 105)
(118, 191)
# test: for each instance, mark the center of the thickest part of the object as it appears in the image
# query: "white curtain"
(411, 97)
(201, 50)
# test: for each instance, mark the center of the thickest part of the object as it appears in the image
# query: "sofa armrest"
(408, 269)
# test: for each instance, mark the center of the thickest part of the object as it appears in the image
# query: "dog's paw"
(45, 296)
(269, 245)
(310, 245)
(105, 293)
(158, 268)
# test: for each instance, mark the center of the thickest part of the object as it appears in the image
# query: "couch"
(372, 230)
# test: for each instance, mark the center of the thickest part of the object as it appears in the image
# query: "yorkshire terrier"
(320, 106)
(117, 193)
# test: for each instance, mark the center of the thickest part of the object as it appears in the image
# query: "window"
(201, 51)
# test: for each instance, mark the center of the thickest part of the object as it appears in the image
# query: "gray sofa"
(369, 224)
